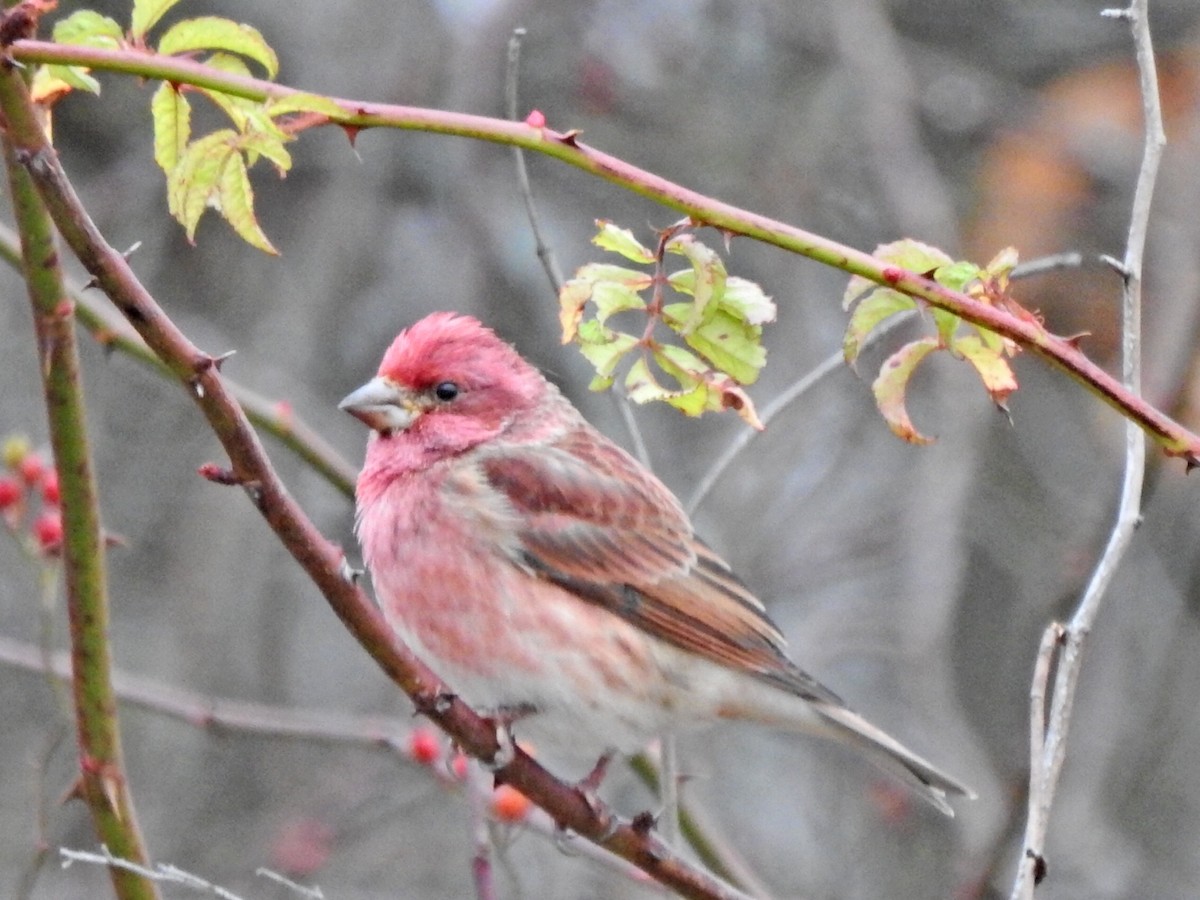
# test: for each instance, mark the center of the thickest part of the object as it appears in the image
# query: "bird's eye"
(446, 391)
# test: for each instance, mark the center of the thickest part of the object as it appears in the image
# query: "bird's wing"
(598, 524)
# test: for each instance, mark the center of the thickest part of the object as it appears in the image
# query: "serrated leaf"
(707, 285)
(748, 301)
(216, 33)
(86, 28)
(236, 204)
(303, 102)
(731, 345)
(702, 389)
(612, 297)
(146, 14)
(572, 297)
(575, 293)
(881, 304)
(994, 371)
(270, 146)
(947, 324)
(172, 126)
(640, 386)
(916, 256)
(59, 80)
(621, 240)
(603, 347)
(193, 183)
(891, 386)
(956, 275)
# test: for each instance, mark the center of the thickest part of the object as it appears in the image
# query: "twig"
(566, 147)
(1055, 724)
(511, 80)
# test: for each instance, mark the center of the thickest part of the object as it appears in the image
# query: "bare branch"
(1047, 765)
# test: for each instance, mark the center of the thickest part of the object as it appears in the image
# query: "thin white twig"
(1056, 725)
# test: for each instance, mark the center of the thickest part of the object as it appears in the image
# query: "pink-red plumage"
(537, 567)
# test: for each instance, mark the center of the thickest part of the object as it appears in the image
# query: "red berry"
(10, 492)
(48, 530)
(424, 746)
(31, 469)
(509, 804)
(50, 493)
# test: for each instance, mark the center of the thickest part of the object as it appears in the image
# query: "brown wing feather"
(598, 524)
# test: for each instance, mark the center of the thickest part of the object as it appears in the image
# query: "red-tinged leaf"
(882, 304)
(215, 33)
(993, 368)
(892, 384)
(52, 83)
(572, 298)
(172, 126)
(146, 14)
(236, 198)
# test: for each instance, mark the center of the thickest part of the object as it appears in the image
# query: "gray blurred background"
(914, 581)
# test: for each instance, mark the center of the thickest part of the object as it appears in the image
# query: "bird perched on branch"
(548, 576)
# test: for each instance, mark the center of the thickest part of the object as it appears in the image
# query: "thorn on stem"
(133, 248)
(570, 138)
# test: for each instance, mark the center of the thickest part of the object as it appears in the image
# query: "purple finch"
(550, 578)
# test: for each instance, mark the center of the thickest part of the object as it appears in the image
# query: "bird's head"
(447, 383)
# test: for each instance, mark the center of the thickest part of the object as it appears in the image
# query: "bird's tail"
(933, 784)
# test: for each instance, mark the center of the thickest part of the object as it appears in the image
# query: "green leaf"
(707, 284)
(270, 146)
(302, 102)
(891, 385)
(575, 293)
(603, 347)
(146, 14)
(612, 297)
(215, 33)
(957, 275)
(88, 29)
(193, 183)
(994, 371)
(947, 324)
(51, 80)
(236, 204)
(640, 386)
(621, 240)
(916, 256)
(881, 304)
(172, 126)
(730, 344)
(747, 301)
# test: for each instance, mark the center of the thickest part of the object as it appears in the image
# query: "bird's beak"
(383, 405)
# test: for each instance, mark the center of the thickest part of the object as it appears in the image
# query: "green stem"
(102, 782)
(564, 146)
